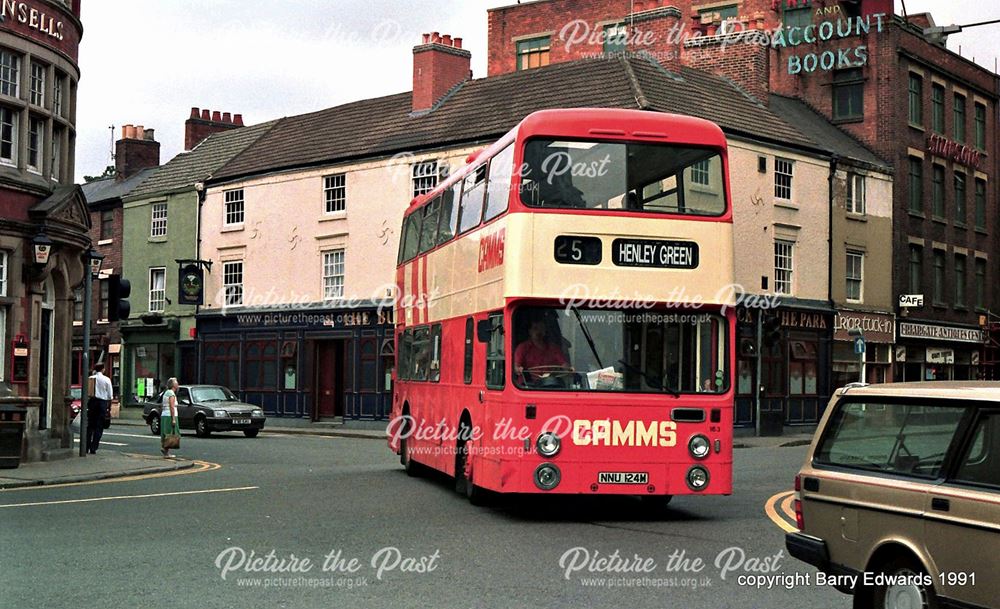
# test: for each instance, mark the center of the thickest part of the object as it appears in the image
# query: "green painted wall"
(141, 252)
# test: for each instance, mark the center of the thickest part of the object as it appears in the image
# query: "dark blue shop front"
(319, 365)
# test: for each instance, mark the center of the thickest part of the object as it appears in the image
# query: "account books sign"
(945, 333)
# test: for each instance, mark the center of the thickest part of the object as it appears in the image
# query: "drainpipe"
(200, 189)
(834, 164)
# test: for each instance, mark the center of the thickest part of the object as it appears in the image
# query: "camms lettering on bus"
(491, 250)
(633, 433)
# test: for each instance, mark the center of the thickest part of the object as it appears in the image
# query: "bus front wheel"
(464, 476)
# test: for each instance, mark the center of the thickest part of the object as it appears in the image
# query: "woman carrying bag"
(170, 431)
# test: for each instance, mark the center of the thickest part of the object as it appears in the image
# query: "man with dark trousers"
(98, 407)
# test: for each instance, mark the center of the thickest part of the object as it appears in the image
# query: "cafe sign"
(944, 333)
(876, 327)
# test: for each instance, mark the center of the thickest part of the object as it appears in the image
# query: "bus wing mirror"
(484, 330)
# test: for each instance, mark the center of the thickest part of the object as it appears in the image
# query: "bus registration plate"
(655, 253)
(623, 478)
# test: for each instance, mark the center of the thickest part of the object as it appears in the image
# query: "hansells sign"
(877, 327)
(34, 18)
(945, 148)
(945, 333)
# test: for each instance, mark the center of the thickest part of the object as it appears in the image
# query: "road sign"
(911, 300)
(859, 345)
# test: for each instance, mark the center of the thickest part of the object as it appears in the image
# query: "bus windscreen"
(635, 351)
(623, 176)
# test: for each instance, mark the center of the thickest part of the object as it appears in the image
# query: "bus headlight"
(699, 446)
(697, 478)
(548, 444)
(547, 476)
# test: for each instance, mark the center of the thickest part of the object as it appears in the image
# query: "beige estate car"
(899, 498)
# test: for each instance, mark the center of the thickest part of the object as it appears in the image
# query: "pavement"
(103, 465)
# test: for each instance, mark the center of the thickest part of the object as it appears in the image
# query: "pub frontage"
(316, 364)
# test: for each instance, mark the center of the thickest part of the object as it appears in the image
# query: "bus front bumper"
(616, 478)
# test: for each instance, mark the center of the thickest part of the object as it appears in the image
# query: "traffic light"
(118, 292)
(772, 330)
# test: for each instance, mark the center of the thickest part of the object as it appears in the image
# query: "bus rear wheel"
(464, 476)
(411, 467)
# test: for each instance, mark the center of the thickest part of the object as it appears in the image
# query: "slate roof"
(111, 189)
(485, 109)
(815, 126)
(197, 165)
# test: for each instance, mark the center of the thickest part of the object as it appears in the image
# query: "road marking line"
(786, 506)
(201, 466)
(771, 511)
(77, 440)
(133, 435)
(120, 497)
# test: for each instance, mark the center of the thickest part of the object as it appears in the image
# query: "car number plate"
(623, 478)
(241, 421)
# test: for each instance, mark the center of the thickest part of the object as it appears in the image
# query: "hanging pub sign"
(19, 360)
(191, 287)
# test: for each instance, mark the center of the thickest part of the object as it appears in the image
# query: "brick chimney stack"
(725, 49)
(205, 122)
(439, 64)
(656, 29)
(135, 151)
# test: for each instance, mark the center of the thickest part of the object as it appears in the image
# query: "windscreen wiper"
(586, 334)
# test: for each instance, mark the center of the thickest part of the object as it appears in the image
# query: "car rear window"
(894, 438)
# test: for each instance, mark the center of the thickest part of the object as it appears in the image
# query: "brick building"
(41, 212)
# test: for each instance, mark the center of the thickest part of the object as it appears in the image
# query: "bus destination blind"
(655, 253)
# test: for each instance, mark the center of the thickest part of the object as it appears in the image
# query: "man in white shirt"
(98, 408)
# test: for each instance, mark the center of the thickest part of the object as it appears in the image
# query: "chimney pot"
(216, 117)
(227, 117)
(206, 115)
(149, 135)
(446, 40)
(195, 112)
(238, 120)
(458, 43)
(436, 37)
(139, 131)
(427, 38)
(124, 131)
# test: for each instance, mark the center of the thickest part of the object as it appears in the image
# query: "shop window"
(222, 363)
(262, 366)
(369, 364)
(848, 94)
(534, 53)
(802, 368)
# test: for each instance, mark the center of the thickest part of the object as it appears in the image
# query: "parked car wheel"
(154, 425)
(251, 433)
(201, 428)
(904, 596)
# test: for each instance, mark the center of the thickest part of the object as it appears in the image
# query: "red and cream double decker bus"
(565, 318)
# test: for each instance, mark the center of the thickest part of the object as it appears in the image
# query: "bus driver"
(537, 357)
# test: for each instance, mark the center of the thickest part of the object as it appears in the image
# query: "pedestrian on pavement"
(98, 408)
(169, 425)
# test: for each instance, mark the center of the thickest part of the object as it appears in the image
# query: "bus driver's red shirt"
(529, 355)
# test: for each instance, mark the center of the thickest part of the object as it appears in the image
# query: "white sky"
(147, 62)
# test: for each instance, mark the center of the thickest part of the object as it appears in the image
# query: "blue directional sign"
(859, 345)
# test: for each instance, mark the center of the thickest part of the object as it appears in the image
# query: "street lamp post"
(92, 264)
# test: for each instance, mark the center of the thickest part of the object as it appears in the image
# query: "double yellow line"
(780, 510)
